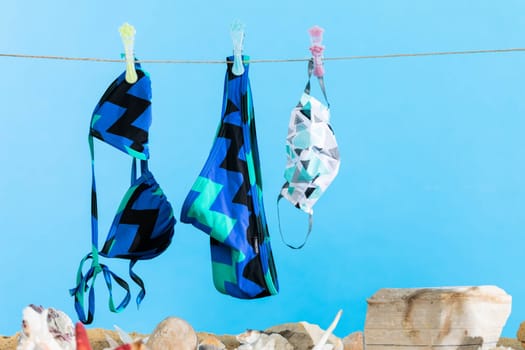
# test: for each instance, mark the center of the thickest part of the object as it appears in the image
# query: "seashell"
(35, 331)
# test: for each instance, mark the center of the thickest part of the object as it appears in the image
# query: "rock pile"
(452, 318)
(170, 334)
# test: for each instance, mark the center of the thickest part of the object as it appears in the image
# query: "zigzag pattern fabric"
(127, 115)
(226, 200)
(144, 224)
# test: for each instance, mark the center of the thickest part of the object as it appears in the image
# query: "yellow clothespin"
(127, 34)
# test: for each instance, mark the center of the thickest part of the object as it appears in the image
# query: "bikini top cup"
(122, 117)
(144, 223)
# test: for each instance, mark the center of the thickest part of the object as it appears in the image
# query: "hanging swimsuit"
(226, 199)
(144, 224)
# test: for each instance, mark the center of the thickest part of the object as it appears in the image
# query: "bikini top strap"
(143, 169)
(310, 224)
(320, 79)
(83, 286)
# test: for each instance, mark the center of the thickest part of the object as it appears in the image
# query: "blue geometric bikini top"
(144, 223)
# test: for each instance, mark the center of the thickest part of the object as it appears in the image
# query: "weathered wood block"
(447, 318)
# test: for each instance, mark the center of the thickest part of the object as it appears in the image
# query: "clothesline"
(342, 58)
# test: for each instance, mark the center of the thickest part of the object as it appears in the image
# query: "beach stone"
(173, 334)
(230, 341)
(295, 333)
(304, 335)
(279, 342)
(521, 334)
(451, 318)
(208, 341)
(353, 341)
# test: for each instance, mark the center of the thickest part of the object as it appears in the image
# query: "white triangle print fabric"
(312, 154)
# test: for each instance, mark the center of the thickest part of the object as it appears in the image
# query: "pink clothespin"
(316, 38)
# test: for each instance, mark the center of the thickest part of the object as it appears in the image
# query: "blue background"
(431, 190)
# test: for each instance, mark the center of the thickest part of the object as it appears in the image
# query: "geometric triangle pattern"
(226, 200)
(312, 154)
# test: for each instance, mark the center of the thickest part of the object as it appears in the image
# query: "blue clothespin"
(237, 35)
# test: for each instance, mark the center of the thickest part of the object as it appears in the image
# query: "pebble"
(173, 334)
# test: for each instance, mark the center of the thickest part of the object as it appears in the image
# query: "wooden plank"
(428, 318)
(420, 337)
